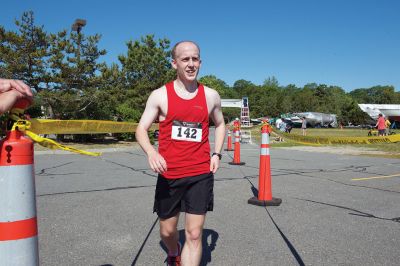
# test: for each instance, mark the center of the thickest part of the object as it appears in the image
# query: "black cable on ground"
(144, 243)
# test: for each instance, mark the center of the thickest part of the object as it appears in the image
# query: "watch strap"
(218, 154)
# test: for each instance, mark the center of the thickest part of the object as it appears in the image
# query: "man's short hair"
(173, 52)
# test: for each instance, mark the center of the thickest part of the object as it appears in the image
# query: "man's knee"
(193, 234)
(168, 227)
(168, 231)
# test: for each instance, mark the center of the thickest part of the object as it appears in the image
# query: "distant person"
(380, 125)
(304, 125)
(11, 91)
(387, 125)
(282, 126)
(236, 124)
(278, 123)
(289, 126)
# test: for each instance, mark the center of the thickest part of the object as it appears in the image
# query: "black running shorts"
(189, 194)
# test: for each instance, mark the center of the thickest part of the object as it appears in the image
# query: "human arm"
(218, 119)
(151, 112)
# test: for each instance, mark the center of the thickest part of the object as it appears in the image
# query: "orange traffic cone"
(264, 180)
(229, 143)
(236, 153)
(18, 223)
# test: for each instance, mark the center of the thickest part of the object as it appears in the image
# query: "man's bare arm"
(218, 119)
(151, 112)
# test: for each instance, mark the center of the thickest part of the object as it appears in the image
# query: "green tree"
(243, 87)
(376, 95)
(146, 67)
(219, 85)
(73, 82)
(267, 99)
(112, 92)
(23, 53)
(304, 100)
(287, 99)
(271, 82)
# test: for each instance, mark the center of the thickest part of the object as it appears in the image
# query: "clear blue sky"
(348, 43)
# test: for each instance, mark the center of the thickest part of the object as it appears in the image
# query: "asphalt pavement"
(336, 210)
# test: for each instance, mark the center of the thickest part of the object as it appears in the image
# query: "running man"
(183, 162)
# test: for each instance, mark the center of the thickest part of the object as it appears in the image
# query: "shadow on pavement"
(209, 242)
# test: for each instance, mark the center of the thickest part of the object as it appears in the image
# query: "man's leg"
(169, 233)
(191, 252)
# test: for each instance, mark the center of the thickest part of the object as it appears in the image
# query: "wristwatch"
(218, 154)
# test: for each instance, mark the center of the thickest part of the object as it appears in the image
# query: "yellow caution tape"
(24, 126)
(51, 144)
(339, 140)
(34, 127)
(45, 126)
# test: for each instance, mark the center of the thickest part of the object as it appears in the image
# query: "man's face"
(187, 62)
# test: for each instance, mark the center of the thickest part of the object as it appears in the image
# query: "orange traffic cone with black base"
(229, 143)
(236, 153)
(18, 222)
(264, 180)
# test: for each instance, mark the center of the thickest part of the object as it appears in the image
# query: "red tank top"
(183, 138)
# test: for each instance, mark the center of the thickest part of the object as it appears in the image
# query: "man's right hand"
(157, 162)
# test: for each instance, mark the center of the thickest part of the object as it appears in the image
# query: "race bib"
(187, 131)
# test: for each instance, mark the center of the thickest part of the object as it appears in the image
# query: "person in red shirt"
(183, 162)
(11, 91)
(380, 124)
(236, 124)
